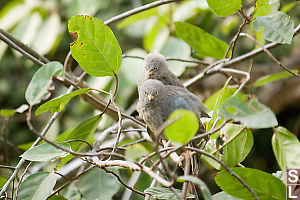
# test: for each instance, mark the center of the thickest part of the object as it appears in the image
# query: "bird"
(157, 101)
(156, 68)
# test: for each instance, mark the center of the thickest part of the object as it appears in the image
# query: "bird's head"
(155, 65)
(150, 90)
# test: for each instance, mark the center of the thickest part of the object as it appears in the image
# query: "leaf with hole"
(95, 47)
(183, 126)
(204, 44)
(37, 186)
(41, 82)
(266, 186)
(278, 27)
(58, 104)
(251, 113)
(286, 148)
(45, 152)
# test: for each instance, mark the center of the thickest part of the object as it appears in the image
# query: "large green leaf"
(266, 186)
(97, 184)
(273, 77)
(202, 42)
(252, 113)
(183, 128)
(95, 47)
(41, 82)
(165, 193)
(286, 148)
(203, 187)
(278, 27)
(237, 142)
(58, 104)
(225, 7)
(37, 186)
(83, 131)
(44, 152)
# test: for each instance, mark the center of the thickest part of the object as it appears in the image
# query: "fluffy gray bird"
(157, 101)
(156, 68)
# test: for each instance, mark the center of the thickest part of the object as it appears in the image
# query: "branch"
(132, 166)
(22, 160)
(138, 10)
(231, 172)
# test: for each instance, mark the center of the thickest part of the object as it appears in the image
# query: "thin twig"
(22, 160)
(20, 181)
(137, 10)
(269, 54)
(7, 167)
(123, 183)
(119, 125)
(231, 172)
(186, 173)
(79, 140)
(5, 141)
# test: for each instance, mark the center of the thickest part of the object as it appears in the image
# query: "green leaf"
(44, 152)
(273, 77)
(83, 131)
(137, 17)
(10, 112)
(135, 152)
(95, 48)
(225, 7)
(289, 6)
(183, 127)
(71, 193)
(266, 186)
(202, 42)
(41, 82)
(223, 196)
(278, 27)
(165, 193)
(252, 113)
(57, 197)
(203, 187)
(265, 7)
(286, 148)
(97, 184)
(237, 142)
(37, 186)
(217, 104)
(58, 104)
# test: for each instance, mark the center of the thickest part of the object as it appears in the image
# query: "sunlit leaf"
(202, 42)
(203, 187)
(41, 82)
(97, 184)
(251, 113)
(165, 193)
(273, 77)
(45, 152)
(278, 27)
(95, 47)
(183, 127)
(225, 7)
(135, 152)
(58, 104)
(286, 148)
(37, 186)
(266, 186)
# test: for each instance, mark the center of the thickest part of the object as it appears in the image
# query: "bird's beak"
(148, 74)
(150, 97)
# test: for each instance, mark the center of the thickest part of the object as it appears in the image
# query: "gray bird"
(156, 68)
(157, 101)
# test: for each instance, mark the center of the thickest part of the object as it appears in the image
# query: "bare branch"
(138, 10)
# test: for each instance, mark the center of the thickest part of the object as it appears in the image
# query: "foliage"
(96, 157)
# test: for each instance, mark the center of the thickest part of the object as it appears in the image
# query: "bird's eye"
(155, 69)
(145, 93)
(156, 93)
